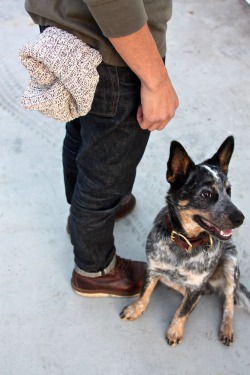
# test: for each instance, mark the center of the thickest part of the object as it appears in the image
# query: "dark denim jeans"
(100, 154)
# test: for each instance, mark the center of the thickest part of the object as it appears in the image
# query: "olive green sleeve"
(117, 18)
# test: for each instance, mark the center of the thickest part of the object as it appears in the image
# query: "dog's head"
(200, 195)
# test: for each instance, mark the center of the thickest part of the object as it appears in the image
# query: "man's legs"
(71, 146)
(112, 145)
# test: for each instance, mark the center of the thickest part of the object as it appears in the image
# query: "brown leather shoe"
(125, 280)
(126, 206)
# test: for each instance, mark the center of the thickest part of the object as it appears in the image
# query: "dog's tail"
(242, 297)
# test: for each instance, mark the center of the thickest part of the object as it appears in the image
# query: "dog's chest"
(188, 271)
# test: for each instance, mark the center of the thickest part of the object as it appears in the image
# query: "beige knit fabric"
(63, 74)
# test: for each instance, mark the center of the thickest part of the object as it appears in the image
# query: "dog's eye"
(206, 194)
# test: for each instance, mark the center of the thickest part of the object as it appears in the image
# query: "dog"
(189, 247)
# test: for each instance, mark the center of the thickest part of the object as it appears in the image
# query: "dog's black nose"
(237, 218)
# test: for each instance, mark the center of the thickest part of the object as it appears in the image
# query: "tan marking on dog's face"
(192, 228)
(184, 203)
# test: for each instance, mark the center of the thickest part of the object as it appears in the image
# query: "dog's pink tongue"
(226, 232)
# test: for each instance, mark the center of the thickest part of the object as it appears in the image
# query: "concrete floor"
(45, 328)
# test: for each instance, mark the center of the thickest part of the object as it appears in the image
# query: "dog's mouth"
(222, 234)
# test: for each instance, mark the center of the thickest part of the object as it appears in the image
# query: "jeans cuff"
(97, 274)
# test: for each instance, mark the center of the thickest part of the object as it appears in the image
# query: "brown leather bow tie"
(185, 243)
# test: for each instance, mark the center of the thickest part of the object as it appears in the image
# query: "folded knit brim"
(63, 75)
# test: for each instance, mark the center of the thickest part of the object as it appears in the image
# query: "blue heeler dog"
(189, 247)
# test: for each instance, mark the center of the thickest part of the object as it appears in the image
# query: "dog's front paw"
(227, 335)
(174, 336)
(132, 311)
(226, 330)
(227, 339)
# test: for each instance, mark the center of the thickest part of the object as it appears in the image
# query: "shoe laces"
(122, 264)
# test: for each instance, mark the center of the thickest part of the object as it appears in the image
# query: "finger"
(139, 115)
(148, 125)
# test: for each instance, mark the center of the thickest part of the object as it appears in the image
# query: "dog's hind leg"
(136, 309)
(175, 331)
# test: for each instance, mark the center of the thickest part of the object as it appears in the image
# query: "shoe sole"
(97, 295)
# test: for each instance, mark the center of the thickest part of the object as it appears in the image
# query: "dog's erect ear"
(179, 164)
(223, 155)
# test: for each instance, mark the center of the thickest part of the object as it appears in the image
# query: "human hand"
(158, 97)
(158, 105)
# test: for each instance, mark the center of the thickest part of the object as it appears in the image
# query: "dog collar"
(185, 243)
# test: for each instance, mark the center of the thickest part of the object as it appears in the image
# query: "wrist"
(155, 79)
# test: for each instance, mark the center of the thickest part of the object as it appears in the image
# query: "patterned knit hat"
(63, 75)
